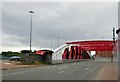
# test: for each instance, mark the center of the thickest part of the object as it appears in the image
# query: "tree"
(10, 53)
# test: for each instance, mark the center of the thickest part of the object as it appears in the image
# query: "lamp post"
(31, 12)
(51, 44)
(58, 41)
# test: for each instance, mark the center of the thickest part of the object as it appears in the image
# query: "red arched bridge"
(81, 49)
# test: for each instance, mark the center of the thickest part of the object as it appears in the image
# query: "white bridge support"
(57, 55)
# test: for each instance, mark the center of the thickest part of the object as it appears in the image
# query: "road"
(85, 70)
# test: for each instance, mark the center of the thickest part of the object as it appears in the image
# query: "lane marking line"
(40, 67)
(22, 72)
(87, 69)
(44, 67)
(65, 67)
(86, 74)
(59, 68)
(60, 72)
(62, 67)
(15, 73)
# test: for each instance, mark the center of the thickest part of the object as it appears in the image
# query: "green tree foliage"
(10, 53)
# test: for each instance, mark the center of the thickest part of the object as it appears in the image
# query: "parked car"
(15, 58)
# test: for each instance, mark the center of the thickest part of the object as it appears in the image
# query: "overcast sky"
(71, 21)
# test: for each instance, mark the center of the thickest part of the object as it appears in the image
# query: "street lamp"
(31, 12)
(51, 44)
(58, 41)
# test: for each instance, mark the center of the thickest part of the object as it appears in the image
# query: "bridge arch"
(81, 50)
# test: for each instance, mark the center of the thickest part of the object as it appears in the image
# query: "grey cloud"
(69, 21)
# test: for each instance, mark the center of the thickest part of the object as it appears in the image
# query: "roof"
(48, 51)
(43, 52)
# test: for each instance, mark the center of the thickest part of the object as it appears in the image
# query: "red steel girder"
(99, 45)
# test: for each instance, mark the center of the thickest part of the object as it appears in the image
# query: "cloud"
(68, 20)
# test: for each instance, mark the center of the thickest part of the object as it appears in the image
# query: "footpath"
(109, 71)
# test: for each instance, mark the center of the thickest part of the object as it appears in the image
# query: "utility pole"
(51, 44)
(31, 12)
(113, 44)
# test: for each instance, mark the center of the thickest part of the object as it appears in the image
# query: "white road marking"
(32, 70)
(47, 66)
(74, 64)
(60, 72)
(44, 67)
(23, 71)
(86, 74)
(62, 67)
(65, 67)
(59, 68)
(87, 69)
(16, 73)
(39, 67)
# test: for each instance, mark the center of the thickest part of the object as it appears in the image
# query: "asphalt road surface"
(86, 70)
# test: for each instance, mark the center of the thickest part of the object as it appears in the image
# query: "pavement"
(109, 71)
(87, 70)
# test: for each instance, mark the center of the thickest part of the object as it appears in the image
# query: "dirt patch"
(16, 65)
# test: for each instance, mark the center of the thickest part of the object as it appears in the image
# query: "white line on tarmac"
(59, 68)
(22, 72)
(40, 67)
(15, 73)
(74, 63)
(86, 74)
(62, 67)
(44, 67)
(47, 66)
(87, 69)
(65, 67)
(60, 72)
